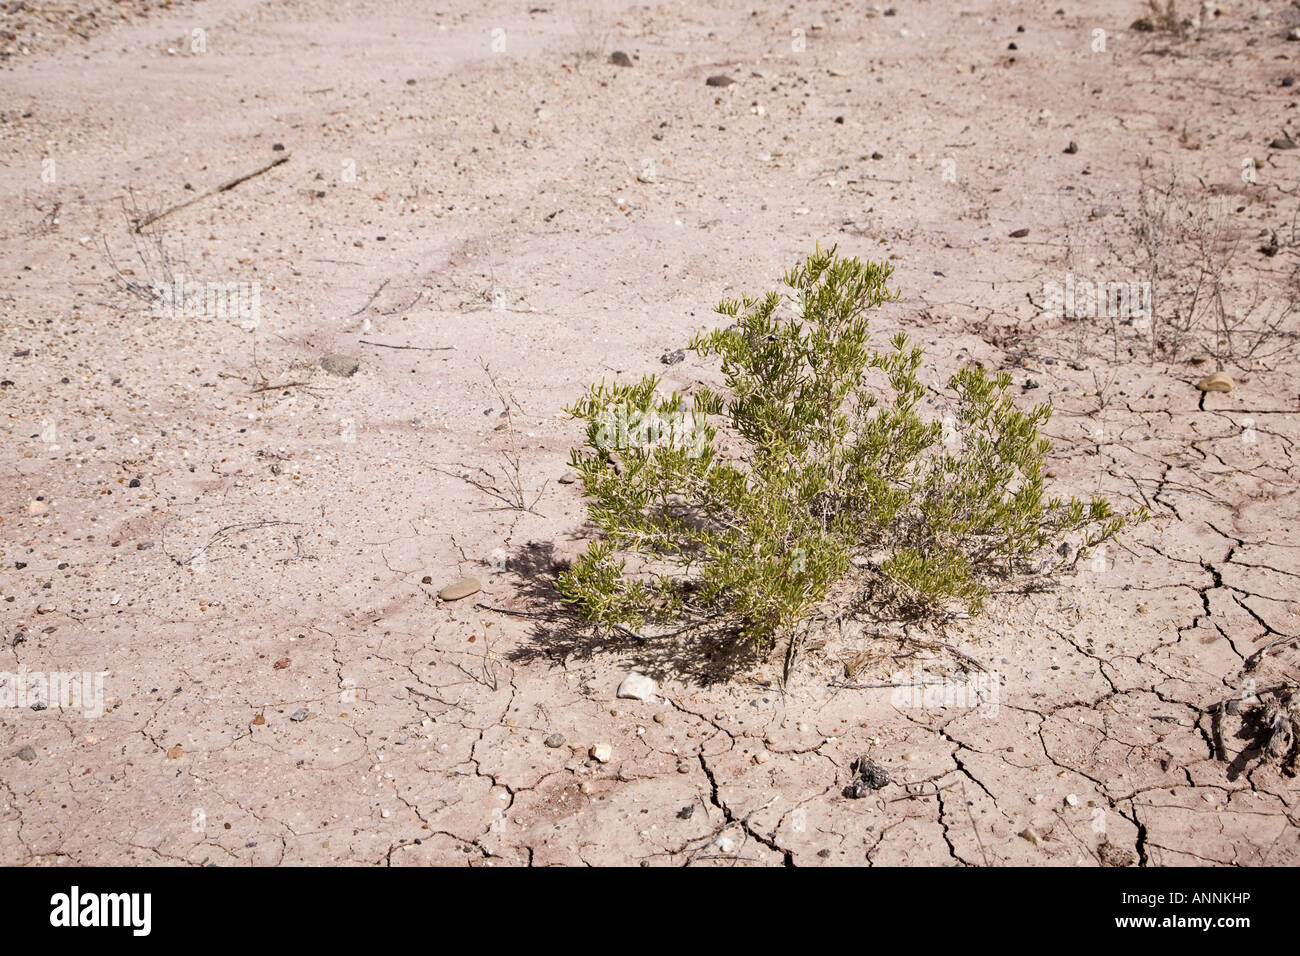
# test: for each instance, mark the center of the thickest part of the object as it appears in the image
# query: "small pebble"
(637, 687)
(1218, 382)
(460, 589)
(344, 366)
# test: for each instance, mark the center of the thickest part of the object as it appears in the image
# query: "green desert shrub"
(813, 483)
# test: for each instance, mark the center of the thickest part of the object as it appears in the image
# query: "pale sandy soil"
(269, 562)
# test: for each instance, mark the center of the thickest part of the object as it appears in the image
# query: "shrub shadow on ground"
(697, 653)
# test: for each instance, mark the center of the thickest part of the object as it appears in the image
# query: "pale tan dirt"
(271, 558)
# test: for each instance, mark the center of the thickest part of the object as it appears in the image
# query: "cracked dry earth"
(250, 545)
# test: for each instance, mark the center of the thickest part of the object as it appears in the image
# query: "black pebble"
(868, 776)
(673, 357)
